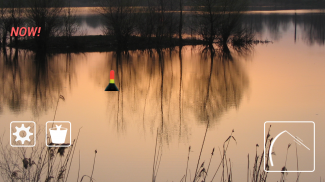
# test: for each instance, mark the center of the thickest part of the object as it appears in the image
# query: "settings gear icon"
(26, 130)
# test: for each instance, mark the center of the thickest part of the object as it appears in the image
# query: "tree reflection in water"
(167, 88)
(170, 88)
(33, 80)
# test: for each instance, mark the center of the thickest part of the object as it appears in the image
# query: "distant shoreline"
(101, 43)
(252, 7)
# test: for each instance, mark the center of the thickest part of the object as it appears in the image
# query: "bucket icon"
(58, 134)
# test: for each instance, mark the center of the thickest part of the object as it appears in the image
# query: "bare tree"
(5, 23)
(148, 20)
(16, 16)
(180, 26)
(220, 21)
(11, 15)
(171, 20)
(70, 23)
(229, 23)
(120, 20)
(45, 14)
(207, 19)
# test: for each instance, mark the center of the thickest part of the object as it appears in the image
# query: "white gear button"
(22, 134)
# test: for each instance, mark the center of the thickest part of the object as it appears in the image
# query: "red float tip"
(111, 75)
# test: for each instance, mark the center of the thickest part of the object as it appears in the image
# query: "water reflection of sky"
(279, 81)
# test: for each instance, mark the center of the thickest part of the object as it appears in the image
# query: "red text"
(30, 31)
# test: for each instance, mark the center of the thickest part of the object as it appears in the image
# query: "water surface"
(177, 92)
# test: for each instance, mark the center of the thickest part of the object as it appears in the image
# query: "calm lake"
(177, 92)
